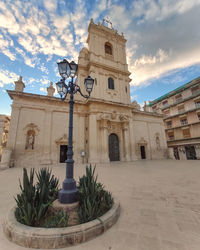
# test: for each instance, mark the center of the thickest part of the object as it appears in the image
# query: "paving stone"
(167, 192)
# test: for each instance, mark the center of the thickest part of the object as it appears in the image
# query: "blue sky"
(163, 41)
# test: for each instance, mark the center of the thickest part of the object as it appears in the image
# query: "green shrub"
(58, 219)
(34, 200)
(94, 201)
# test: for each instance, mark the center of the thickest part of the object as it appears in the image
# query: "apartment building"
(181, 114)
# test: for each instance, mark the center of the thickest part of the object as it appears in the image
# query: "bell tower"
(105, 61)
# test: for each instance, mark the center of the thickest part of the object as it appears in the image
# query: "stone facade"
(181, 109)
(107, 126)
(4, 127)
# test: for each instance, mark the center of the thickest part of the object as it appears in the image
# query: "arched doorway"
(114, 147)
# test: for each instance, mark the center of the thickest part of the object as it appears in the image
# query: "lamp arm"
(79, 90)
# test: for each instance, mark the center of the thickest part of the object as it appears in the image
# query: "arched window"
(108, 48)
(110, 83)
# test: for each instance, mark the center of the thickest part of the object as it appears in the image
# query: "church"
(107, 127)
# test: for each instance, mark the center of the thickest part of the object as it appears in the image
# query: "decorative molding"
(31, 126)
(142, 141)
(63, 139)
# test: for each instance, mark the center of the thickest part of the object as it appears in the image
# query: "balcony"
(181, 111)
(179, 100)
(184, 122)
(195, 93)
(169, 125)
(197, 104)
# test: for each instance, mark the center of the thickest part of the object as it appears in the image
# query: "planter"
(35, 237)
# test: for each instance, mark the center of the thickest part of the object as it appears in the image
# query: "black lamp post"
(68, 193)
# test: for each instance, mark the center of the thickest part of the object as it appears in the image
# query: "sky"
(163, 42)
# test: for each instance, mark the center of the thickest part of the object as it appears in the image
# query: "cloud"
(42, 89)
(50, 5)
(159, 10)
(162, 35)
(155, 48)
(7, 77)
(43, 69)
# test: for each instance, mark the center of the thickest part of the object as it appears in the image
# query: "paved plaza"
(160, 205)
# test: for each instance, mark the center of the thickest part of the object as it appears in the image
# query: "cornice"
(104, 30)
(103, 66)
(13, 94)
(109, 68)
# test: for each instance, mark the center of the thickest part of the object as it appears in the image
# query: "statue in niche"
(157, 143)
(30, 139)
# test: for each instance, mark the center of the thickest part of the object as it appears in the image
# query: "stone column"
(132, 142)
(93, 152)
(46, 159)
(78, 137)
(104, 137)
(8, 152)
(149, 143)
(126, 142)
(81, 139)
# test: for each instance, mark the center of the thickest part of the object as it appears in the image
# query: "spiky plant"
(94, 201)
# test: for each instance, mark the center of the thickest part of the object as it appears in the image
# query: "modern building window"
(108, 48)
(178, 98)
(198, 115)
(171, 136)
(169, 124)
(195, 90)
(184, 121)
(186, 133)
(111, 83)
(154, 108)
(181, 109)
(165, 104)
(197, 104)
(166, 113)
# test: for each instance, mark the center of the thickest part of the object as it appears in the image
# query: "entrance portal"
(142, 150)
(63, 153)
(176, 153)
(190, 153)
(113, 147)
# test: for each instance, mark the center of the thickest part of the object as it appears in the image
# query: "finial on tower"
(106, 22)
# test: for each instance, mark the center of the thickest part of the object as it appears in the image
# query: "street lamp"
(68, 193)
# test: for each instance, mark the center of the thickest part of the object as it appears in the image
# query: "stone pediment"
(63, 139)
(142, 141)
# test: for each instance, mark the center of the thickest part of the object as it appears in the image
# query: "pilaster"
(46, 159)
(93, 154)
(126, 137)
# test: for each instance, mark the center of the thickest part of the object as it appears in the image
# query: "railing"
(169, 126)
(184, 122)
(195, 93)
(197, 104)
(180, 111)
(179, 100)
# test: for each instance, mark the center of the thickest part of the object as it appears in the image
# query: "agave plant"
(34, 200)
(94, 201)
(46, 178)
